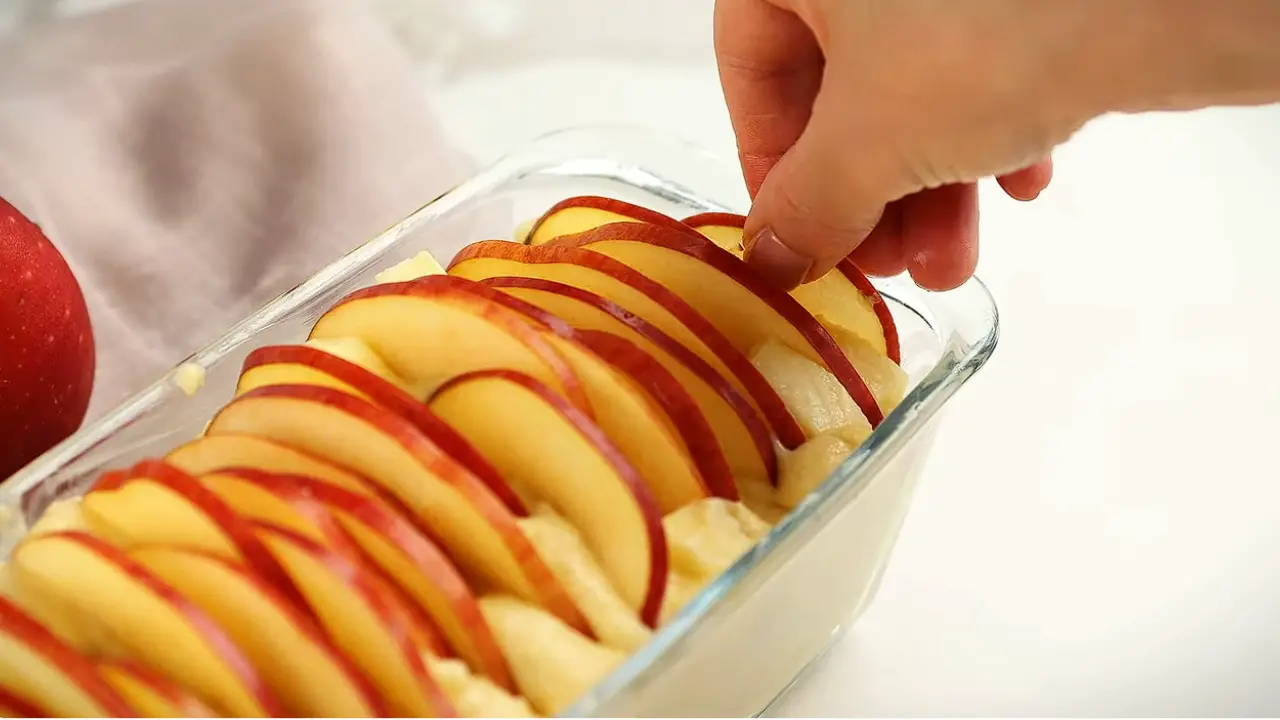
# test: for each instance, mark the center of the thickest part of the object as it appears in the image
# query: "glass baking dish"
(746, 638)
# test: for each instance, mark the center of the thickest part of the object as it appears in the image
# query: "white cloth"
(194, 158)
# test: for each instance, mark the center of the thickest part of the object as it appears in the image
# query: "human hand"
(863, 124)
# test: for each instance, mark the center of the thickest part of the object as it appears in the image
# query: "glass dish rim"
(950, 372)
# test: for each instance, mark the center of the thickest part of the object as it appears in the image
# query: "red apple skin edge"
(70, 662)
(186, 703)
(696, 245)
(652, 606)
(620, 207)
(893, 346)
(237, 529)
(756, 427)
(670, 395)
(13, 706)
(784, 425)
(213, 635)
(46, 344)
(397, 401)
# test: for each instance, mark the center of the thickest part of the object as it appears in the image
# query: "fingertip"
(940, 236)
(779, 264)
(1027, 184)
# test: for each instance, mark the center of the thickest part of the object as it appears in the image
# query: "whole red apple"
(46, 344)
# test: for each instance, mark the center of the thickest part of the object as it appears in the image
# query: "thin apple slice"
(542, 443)
(211, 453)
(742, 304)
(886, 379)
(553, 664)
(42, 673)
(303, 365)
(843, 298)
(408, 557)
(161, 505)
(744, 438)
(290, 651)
(153, 694)
(12, 706)
(577, 214)
(146, 619)
(812, 393)
(638, 295)
(475, 528)
(722, 228)
(361, 620)
(640, 406)
(428, 332)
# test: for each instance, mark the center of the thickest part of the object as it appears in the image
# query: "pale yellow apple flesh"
(812, 393)
(152, 694)
(478, 531)
(542, 444)
(223, 451)
(288, 649)
(146, 619)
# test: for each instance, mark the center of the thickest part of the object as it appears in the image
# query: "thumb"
(818, 203)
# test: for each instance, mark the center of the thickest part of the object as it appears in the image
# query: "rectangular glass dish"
(746, 638)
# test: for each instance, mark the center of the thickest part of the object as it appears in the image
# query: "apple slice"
(886, 379)
(640, 296)
(145, 618)
(362, 621)
(722, 228)
(542, 443)
(428, 332)
(553, 664)
(408, 557)
(744, 438)
(812, 393)
(39, 670)
(577, 214)
(212, 453)
(290, 651)
(743, 305)
(160, 504)
(843, 298)
(303, 365)
(475, 528)
(640, 407)
(153, 694)
(12, 706)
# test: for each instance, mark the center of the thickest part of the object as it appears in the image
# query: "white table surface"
(1098, 531)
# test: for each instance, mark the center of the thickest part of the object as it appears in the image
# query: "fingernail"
(777, 262)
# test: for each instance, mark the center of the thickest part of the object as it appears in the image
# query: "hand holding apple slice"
(286, 646)
(145, 618)
(538, 441)
(843, 298)
(478, 531)
(42, 674)
(740, 303)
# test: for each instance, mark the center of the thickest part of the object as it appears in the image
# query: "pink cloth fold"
(194, 159)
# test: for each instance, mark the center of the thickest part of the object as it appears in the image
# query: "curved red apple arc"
(427, 557)
(186, 703)
(676, 402)
(396, 400)
(359, 580)
(761, 435)
(656, 381)
(775, 411)
(212, 634)
(652, 605)
(15, 707)
(237, 529)
(69, 661)
(846, 267)
(596, 202)
(697, 246)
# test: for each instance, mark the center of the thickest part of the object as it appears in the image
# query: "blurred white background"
(1099, 528)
